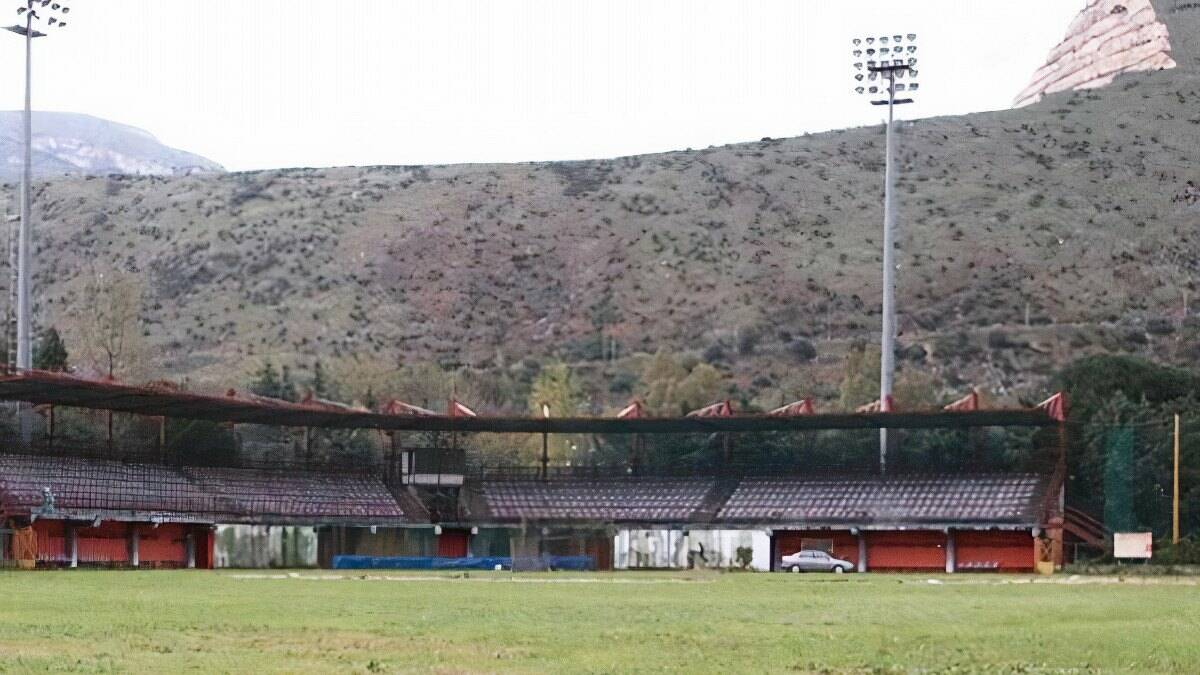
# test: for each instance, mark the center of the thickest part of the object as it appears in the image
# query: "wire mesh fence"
(254, 474)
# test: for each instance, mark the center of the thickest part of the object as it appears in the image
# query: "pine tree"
(287, 389)
(320, 387)
(266, 381)
(51, 353)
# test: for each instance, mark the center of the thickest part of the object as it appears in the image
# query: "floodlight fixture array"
(887, 62)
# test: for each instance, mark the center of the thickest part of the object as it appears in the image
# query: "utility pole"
(886, 64)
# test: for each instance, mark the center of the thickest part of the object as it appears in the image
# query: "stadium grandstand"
(76, 493)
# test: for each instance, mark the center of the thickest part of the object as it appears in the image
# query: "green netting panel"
(1118, 480)
(491, 542)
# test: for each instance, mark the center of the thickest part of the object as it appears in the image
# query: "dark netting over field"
(144, 458)
(206, 472)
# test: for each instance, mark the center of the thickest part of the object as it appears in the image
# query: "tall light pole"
(879, 63)
(545, 444)
(36, 13)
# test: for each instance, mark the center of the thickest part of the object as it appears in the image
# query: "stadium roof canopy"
(167, 400)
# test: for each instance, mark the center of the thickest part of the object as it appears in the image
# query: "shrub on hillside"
(714, 353)
(802, 350)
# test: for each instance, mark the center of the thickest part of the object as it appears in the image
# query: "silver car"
(815, 561)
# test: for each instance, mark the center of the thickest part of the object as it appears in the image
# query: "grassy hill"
(1027, 237)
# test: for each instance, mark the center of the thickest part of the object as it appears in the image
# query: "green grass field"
(258, 621)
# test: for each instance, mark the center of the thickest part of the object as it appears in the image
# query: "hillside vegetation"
(1028, 237)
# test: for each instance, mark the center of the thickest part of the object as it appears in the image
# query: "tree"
(1120, 426)
(1092, 380)
(266, 381)
(860, 378)
(916, 390)
(660, 377)
(51, 353)
(110, 326)
(557, 387)
(912, 389)
(701, 387)
(320, 383)
(287, 389)
(672, 389)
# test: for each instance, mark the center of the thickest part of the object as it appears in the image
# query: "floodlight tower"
(36, 13)
(545, 444)
(881, 64)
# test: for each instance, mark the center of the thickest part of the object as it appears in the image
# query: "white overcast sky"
(276, 83)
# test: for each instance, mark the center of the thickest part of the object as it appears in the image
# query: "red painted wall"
(1014, 551)
(205, 543)
(51, 541)
(165, 545)
(906, 550)
(107, 544)
(452, 543)
(845, 545)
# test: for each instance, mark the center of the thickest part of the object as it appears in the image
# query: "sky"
(256, 84)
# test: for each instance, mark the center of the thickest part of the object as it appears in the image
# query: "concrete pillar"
(951, 552)
(190, 544)
(862, 551)
(73, 543)
(133, 545)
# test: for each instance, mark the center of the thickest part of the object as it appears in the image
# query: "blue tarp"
(373, 562)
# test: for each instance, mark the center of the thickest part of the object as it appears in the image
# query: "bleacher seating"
(87, 487)
(623, 499)
(300, 494)
(93, 484)
(990, 498)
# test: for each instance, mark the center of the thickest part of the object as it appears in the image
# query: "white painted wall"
(648, 549)
(265, 546)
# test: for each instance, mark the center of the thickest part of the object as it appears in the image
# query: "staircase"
(1085, 528)
(720, 493)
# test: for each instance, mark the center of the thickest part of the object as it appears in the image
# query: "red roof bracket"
(1055, 407)
(634, 411)
(719, 409)
(455, 408)
(968, 403)
(802, 407)
(878, 406)
(397, 407)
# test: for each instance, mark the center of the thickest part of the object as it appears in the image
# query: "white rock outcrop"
(1107, 38)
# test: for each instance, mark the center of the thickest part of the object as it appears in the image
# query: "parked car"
(815, 561)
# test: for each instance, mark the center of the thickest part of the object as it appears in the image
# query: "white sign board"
(1132, 545)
